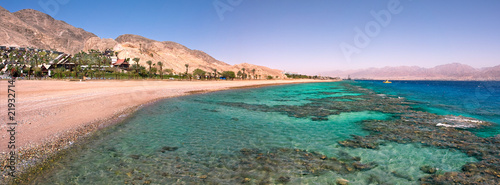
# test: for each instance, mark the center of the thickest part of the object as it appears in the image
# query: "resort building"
(122, 64)
(63, 60)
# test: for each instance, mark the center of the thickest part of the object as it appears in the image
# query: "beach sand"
(50, 111)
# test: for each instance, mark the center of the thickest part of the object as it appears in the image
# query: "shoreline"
(47, 148)
(426, 80)
(403, 132)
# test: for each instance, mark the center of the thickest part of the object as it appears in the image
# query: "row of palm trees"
(244, 75)
(95, 64)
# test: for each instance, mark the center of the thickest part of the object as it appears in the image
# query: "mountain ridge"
(32, 28)
(452, 71)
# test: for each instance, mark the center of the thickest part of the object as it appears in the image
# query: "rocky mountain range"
(454, 71)
(31, 28)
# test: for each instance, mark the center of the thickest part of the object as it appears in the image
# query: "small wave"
(460, 122)
(455, 126)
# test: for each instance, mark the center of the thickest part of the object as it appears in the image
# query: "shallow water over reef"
(317, 133)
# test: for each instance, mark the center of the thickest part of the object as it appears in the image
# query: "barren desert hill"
(31, 28)
(173, 55)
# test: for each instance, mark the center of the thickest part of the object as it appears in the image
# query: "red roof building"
(121, 63)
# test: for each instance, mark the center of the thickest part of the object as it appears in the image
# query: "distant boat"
(387, 82)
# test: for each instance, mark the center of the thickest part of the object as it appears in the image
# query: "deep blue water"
(477, 99)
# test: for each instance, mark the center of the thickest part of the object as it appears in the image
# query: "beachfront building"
(63, 60)
(45, 69)
(122, 64)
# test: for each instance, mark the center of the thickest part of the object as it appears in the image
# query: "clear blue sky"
(299, 35)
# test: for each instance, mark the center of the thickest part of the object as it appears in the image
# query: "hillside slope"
(31, 28)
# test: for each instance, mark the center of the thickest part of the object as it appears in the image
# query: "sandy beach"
(47, 111)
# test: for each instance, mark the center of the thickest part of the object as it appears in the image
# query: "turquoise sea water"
(262, 135)
(477, 99)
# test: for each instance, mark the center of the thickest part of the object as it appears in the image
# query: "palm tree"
(243, 75)
(107, 61)
(130, 72)
(58, 72)
(32, 64)
(153, 71)
(77, 69)
(100, 62)
(161, 69)
(187, 66)
(239, 74)
(116, 71)
(90, 63)
(38, 72)
(136, 60)
(253, 72)
(142, 71)
(94, 61)
(215, 73)
(149, 63)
